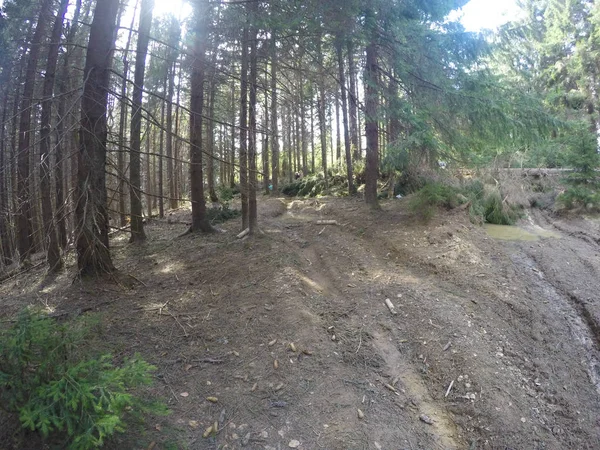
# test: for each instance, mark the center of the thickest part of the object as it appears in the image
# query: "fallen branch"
(244, 233)
(449, 389)
(390, 306)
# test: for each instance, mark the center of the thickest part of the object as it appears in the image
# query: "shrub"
(64, 392)
(222, 213)
(485, 205)
(583, 185)
(225, 193)
(432, 196)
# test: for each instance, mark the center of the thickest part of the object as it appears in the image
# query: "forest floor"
(495, 344)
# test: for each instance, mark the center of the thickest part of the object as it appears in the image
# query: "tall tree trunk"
(321, 108)
(303, 137)
(4, 179)
(252, 185)
(161, 143)
(93, 255)
(123, 126)
(62, 137)
(122, 148)
(149, 186)
(266, 141)
(210, 138)
(177, 178)
(24, 215)
(371, 118)
(169, 144)
(199, 219)
(244, 129)
(135, 181)
(53, 249)
(312, 132)
(338, 134)
(274, 117)
(354, 128)
(233, 131)
(347, 146)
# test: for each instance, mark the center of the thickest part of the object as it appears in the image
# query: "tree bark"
(199, 219)
(24, 215)
(244, 129)
(321, 108)
(135, 181)
(252, 185)
(354, 129)
(93, 255)
(274, 117)
(347, 146)
(123, 126)
(371, 119)
(53, 248)
(4, 179)
(169, 144)
(161, 143)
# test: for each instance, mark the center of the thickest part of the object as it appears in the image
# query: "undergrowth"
(72, 396)
(484, 204)
(222, 213)
(314, 185)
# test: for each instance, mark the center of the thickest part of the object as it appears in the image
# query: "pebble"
(294, 444)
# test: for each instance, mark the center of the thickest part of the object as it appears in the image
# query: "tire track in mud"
(583, 243)
(583, 327)
(324, 275)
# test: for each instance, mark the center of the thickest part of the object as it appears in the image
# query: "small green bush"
(432, 196)
(67, 394)
(484, 205)
(222, 213)
(225, 193)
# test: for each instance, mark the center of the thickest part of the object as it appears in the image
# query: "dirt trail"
(494, 343)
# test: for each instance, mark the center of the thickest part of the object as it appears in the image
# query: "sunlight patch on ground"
(172, 268)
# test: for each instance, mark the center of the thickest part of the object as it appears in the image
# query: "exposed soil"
(512, 327)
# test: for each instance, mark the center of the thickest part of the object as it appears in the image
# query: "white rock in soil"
(294, 444)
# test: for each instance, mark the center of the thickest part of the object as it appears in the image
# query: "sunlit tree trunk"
(244, 129)
(371, 117)
(274, 117)
(347, 146)
(253, 182)
(93, 255)
(135, 181)
(24, 215)
(199, 219)
(53, 249)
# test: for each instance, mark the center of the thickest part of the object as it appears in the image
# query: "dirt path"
(495, 345)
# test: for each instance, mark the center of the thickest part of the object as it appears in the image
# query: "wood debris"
(390, 306)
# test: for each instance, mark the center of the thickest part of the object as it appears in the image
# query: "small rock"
(426, 419)
(278, 404)
(523, 419)
(264, 434)
(361, 415)
(235, 437)
(246, 439)
(294, 444)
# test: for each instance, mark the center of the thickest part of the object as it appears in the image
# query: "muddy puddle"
(515, 233)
